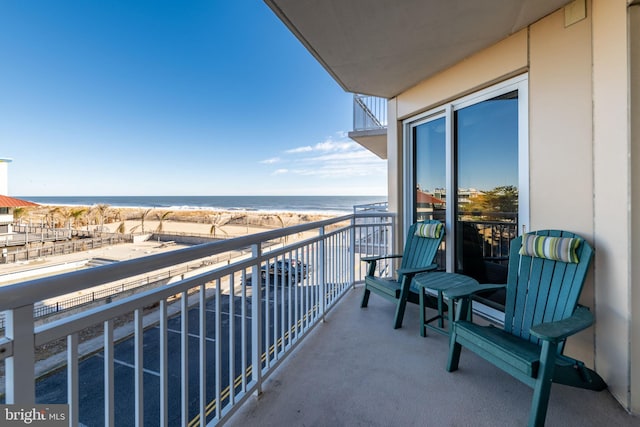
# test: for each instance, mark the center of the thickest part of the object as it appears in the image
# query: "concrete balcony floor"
(356, 370)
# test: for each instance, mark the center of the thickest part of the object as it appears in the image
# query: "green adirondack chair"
(423, 240)
(544, 282)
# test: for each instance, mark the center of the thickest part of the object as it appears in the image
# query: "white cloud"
(304, 149)
(332, 159)
(331, 145)
(271, 161)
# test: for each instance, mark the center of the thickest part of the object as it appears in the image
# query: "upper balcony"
(370, 123)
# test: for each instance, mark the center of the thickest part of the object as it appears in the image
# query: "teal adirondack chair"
(423, 240)
(544, 282)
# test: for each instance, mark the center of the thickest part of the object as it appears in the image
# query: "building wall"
(501, 61)
(634, 39)
(611, 171)
(4, 177)
(560, 140)
(579, 165)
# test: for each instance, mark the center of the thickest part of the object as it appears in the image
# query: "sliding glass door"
(468, 168)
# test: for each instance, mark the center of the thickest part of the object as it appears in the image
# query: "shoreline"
(309, 205)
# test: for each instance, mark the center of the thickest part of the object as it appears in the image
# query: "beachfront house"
(539, 97)
(8, 204)
(6, 217)
(7, 208)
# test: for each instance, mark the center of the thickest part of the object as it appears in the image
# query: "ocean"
(299, 204)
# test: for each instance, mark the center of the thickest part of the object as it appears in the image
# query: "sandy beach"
(216, 223)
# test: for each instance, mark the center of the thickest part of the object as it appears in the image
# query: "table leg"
(423, 322)
(440, 315)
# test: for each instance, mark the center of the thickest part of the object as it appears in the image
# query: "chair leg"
(542, 388)
(400, 313)
(454, 350)
(402, 302)
(365, 297)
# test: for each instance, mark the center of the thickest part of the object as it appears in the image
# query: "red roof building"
(12, 202)
(7, 205)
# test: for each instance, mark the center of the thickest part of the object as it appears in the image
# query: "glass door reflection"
(486, 183)
(429, 197)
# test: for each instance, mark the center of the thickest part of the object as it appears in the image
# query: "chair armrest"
(372, 261)
(376, 258)
(414, 271)
(557, 331)
(467, 291)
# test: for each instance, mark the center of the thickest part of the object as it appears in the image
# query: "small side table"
(438, 281)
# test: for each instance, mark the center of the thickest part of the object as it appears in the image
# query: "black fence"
(35, 250)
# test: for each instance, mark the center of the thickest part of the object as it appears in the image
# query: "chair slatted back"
(542, 290)
(420, 251)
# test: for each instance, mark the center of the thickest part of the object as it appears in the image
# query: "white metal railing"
(369, 112)
(371, 207)
(194, 349)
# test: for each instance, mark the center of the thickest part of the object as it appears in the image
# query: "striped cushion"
(555, 248)
(431, 231)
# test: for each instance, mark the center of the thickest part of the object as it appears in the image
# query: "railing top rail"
(29, 292)
(377, 207)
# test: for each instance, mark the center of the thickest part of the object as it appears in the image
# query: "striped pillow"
(431, 231)
(555, 248)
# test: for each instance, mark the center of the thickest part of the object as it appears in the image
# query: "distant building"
(8, 204)
(4, 175)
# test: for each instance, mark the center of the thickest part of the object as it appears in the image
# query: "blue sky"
(170, 98)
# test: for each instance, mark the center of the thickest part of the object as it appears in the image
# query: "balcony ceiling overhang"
(384, 47)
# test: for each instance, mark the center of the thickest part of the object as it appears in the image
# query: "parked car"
(285, 267)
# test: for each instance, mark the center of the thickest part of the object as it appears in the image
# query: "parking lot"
(53, 388)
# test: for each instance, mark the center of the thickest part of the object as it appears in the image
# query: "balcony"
(194, 348)
(370, 124)
(164, 356)
(355, 369)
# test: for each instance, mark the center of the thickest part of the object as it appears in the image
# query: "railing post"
(352, 255)
(256, 319)
(323, 263)
(394, 235)
(20, 376)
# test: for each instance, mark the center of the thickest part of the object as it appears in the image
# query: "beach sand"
(215, 223)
